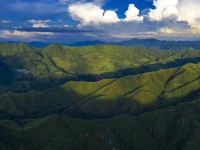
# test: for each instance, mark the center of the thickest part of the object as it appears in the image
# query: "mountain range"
(115, 97)
(148, 43)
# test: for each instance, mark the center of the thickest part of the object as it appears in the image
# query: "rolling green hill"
(61, 61)
(98, 97)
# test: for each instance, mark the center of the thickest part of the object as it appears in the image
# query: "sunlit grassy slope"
(61, 61)
(30, 68)
(131, 94)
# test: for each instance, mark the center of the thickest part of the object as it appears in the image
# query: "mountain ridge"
(135, 42)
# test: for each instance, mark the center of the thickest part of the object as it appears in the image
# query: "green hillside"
(29, 67)
(171, 128)
(61, 61)
(98, 97)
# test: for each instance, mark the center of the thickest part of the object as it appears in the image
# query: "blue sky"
(106, 20)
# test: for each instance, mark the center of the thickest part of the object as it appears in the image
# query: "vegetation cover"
(98, 97)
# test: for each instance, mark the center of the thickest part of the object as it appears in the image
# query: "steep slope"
(37, 69)
(131, 95)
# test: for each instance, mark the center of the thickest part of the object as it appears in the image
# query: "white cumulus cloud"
(189, 10)
(182, 10)
(163, 9)
(92, 14)
(132, 14)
